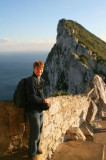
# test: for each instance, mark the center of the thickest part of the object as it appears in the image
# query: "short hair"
(38, 64)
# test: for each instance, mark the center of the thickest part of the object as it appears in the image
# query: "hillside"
(74, 60)
(89, 40)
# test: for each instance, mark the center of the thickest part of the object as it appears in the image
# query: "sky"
(31, 25)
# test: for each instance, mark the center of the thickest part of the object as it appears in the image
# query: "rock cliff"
(74, 60)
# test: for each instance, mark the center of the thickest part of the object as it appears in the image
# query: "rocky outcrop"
(98, 95)
(87, 130)
(65, 112)
(70, 64)
(74, 133)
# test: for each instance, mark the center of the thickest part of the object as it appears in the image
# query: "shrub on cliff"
(59, 93)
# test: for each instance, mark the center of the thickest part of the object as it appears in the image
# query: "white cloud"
(6, 44)
(5, 40)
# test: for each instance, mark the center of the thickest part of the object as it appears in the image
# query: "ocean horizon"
(14, 67)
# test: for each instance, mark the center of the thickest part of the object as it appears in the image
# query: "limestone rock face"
(70, 65)
(92, 111)
(99, 93)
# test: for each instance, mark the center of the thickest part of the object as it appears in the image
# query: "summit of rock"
(95, 45)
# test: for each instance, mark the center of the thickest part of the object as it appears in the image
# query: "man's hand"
(47, 102)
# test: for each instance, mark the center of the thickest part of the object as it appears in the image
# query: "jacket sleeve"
(31, 93)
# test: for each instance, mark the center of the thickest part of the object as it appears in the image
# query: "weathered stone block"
(4, 128)
(55, 108)
(16, 142)
(47, 130)
(58, 119)
(87, 130)
(92, 110)
(74, 133)
(58, 134)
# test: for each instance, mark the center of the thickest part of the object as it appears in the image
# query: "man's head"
(38, 67)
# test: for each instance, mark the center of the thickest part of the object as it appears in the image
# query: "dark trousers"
(35, 126)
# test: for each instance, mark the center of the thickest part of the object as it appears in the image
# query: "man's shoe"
(34, 158)
(40, 151)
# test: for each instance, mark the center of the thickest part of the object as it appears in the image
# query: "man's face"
(38, 71)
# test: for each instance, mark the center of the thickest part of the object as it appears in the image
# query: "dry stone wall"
(65, 111)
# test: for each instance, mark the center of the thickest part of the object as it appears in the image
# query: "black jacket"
(35, 95)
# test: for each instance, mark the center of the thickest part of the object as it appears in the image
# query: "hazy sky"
(32, 24)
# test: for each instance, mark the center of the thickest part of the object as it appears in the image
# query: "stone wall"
(65, 111)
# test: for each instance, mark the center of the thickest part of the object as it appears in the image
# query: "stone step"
(100, 135)
(75, 150)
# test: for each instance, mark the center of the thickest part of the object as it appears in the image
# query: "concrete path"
(75, 150)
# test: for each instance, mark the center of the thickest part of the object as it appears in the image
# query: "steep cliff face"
(74, 60)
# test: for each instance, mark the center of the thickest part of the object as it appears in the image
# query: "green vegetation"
(84, 59)
(59, 93)
(89, 40)
(76, 56)
(95, 71)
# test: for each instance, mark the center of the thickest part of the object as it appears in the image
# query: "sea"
(15, 66)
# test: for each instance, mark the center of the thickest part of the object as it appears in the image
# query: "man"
(35, 107)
